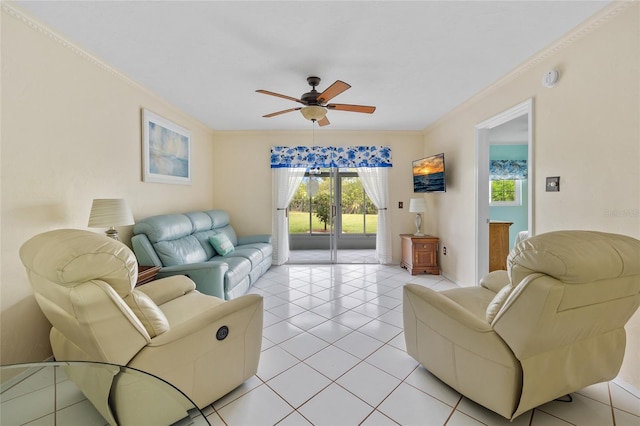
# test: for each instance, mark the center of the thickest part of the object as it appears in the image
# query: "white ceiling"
(414, 60)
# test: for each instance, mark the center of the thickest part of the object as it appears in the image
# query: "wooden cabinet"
(420, 254)
(498, 245)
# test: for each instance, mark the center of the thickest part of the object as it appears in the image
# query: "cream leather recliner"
(84, 283)
(550, 325)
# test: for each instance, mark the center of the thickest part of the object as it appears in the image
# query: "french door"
(330, 213)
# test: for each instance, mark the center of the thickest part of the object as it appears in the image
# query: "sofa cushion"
(200, 221)
(265, 249)
(239, 269)
(254, 255)
(181, 251)
(164, 227)
(221, 243)
(219, 218)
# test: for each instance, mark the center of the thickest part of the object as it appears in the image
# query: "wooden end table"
(420, 254)
(146, 274)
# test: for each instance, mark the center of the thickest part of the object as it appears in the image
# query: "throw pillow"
(221, 244)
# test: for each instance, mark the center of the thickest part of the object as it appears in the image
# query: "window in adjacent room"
(505, 193)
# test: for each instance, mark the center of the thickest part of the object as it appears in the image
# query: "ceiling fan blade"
(266, 92)
(332, 91)
(273, 114)
(324, 121)
(353, 108)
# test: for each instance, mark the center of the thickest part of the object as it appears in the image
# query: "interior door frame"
(482, 142)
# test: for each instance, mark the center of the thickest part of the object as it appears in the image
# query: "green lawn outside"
(351, 223)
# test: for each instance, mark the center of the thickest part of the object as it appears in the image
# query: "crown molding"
(22, 16)
(579, 32)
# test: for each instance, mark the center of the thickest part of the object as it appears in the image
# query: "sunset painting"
(428, 174)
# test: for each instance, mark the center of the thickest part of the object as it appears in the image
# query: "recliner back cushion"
(68, 257)
(575, 256)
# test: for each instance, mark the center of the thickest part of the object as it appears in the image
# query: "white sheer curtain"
(375, 181)
(286, 181)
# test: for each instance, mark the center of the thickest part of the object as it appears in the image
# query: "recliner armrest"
(165, 289)
(250, 239)
(251, 302)
(495, 280)
(414, 293)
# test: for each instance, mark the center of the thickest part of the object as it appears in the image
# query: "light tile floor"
(334, 354)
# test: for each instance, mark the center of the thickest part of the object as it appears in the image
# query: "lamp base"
(418, 225)
(113, 233)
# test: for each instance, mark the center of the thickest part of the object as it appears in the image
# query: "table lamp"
(110, 213)
(418, 206)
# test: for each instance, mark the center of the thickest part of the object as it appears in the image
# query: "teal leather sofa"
(180, 245)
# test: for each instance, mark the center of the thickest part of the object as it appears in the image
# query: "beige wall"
(70, 133)
(245, 157)
(586, 130)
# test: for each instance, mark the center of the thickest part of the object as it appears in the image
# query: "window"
(505, 193)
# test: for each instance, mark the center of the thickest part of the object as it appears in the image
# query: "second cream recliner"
(550, 325)
(84, 284)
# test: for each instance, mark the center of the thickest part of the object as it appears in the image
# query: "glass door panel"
(312, 218)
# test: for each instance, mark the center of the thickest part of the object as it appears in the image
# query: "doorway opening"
(507, 135)
(332, 219)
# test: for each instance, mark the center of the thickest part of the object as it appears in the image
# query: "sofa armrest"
(165, 289)
(250, 239)
(208, 276)
(145, 253)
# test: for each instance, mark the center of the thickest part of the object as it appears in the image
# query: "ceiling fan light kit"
(314, 112)
(315, 104)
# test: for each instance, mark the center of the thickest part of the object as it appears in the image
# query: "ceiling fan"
(315, 104)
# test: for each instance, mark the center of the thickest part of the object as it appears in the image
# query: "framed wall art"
(166, 150)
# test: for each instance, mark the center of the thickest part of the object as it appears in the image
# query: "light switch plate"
(553, 184)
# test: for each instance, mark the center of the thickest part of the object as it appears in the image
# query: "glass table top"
(88, 393)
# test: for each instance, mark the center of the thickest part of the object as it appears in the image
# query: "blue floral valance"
(330, 156)
(508, 169)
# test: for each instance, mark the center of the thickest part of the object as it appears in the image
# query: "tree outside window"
(505, 193)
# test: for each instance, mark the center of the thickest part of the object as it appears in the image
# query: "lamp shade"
(314, 112)
(417, 205)
(110, 212)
